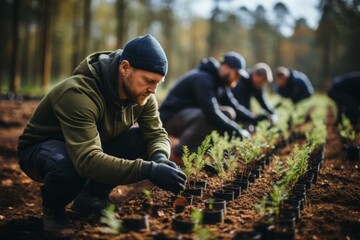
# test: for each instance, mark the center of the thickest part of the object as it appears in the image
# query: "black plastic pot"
(152, 208)
(273, 232)
(268, 160)
(235, 188)
(247, 236)
(286, 208)
(299, 187)
(301, 196)
(200, 184)
(286, 219)
(225, 195)
(135, 223)
(315, 169)
(256, 171)
(182, 224)
(252, 178)
(242, 183)
(198, 192)
(210, 169)
(215, 203)
(352, 152)
(305, 181)
(212, 216)
(166, 235)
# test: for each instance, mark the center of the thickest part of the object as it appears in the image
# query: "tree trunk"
(47, 38)
(76, 35)
(14, 85)
(121, 23)
(87, 24)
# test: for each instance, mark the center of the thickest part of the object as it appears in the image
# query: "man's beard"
(138, 98)
(226, 78)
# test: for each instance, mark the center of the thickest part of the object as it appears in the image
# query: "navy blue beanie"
(145, 53)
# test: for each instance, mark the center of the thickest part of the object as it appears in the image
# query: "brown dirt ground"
(332, 211)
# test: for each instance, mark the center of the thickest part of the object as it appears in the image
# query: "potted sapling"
(188, 170)
(216, 154)
(275, 224)
(111, 222)
(231, 164)
(246, 158)
(348, 135)
(150, 206)
(200, 161)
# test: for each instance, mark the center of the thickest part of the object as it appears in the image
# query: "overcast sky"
(297, 8)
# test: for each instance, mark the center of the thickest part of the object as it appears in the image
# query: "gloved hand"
(245, 133)
(160, 157)
(261, 117)
(242, 133)
(274, 118)
(164, 176)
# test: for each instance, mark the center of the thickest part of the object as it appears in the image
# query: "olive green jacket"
(84, 111)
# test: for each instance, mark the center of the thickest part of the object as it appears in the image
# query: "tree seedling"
(201, 232)
(200, 159)
(188, 159)
(113, 225)
(346, 129)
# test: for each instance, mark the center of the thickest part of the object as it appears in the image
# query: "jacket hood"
(104, 67)
(210, 65)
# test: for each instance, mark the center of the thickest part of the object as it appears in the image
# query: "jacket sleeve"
(205, 97)
(242, 113)
(300, 91)
(155, 136)
(77, 114)
(259, 96)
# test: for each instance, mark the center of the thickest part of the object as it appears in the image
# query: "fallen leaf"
(2, 217)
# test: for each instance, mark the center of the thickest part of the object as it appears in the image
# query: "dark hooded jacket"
(85, 112)
(245, 89)
(202, 88)
(297, 88)
(348, 84)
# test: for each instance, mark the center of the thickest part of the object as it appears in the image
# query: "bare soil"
(332, 211)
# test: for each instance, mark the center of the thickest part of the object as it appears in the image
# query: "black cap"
(236, 61)
(145, 53)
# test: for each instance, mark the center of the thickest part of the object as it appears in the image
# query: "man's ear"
(124, 67)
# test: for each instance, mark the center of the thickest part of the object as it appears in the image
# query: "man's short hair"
(282, 72)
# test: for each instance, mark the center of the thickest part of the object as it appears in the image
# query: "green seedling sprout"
(188, 159)
(346, 129)
(200, 159)
(147, 193)
(201, 232)
(113, 225)
(211, 203)
(231, 163)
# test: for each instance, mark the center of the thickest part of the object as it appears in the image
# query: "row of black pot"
(282, 227)
(215, 208)
(352, 151)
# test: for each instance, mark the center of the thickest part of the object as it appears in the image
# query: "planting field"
(331, 206)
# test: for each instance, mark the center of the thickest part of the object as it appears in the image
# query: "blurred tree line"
(42, 41)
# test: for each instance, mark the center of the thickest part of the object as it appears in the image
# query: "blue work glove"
(160, 157)
(164, 176)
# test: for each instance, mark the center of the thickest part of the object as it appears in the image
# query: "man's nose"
(152, 89)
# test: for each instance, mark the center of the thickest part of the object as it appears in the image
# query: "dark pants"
(191, 127)
(49, 162)
(346, 105)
